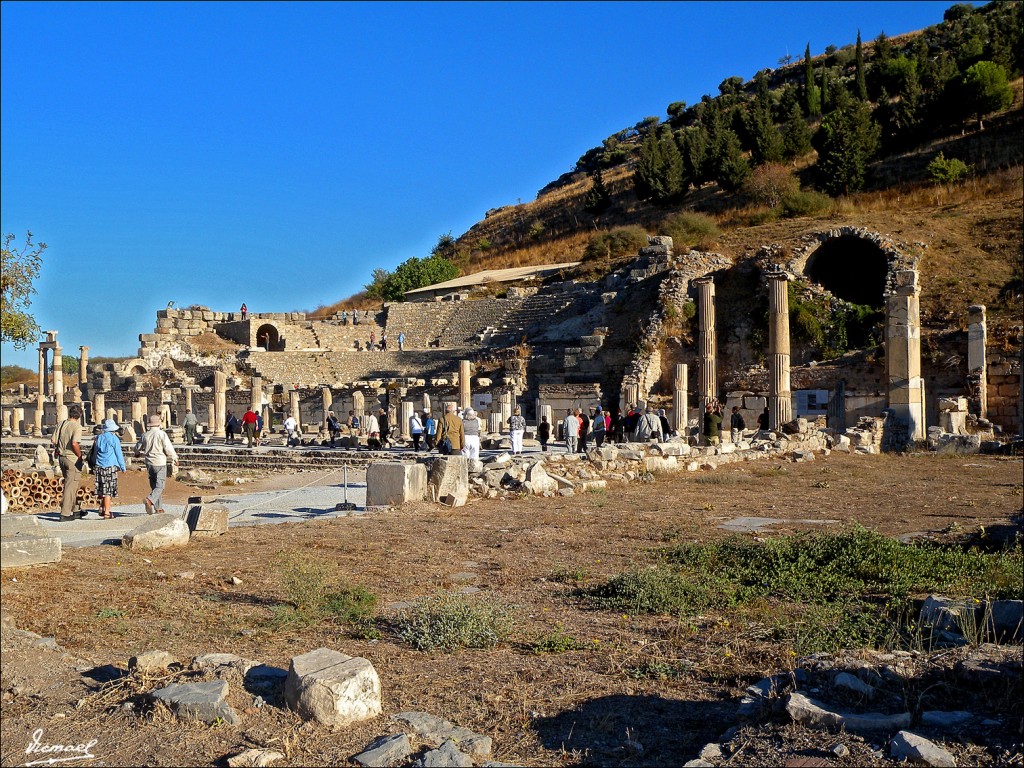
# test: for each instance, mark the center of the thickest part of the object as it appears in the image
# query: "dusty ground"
(586, 706)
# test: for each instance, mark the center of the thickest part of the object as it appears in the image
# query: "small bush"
(448, 621)
(615, 244)
(770, 183)
(662, 590)
(306, 581)
(314, 595)
(947, 171)
(557, 641)
(805, 204)
(687, 229)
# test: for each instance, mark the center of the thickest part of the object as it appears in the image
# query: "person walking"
(648, 426)
(259, 428)
(333, 427)
(156, 450)
(571, 430)
(372, 432)
(249, 421)
(471, 435)
(230, 428)
(67, 448)
(600, 427)
(401, 341)
(544, 433)
(516, 429)
(385, 429)
(430, 430)
(584, 430)
(190, 424)
(450, 426)
(415, 426)
(290, 426)
(109, 459)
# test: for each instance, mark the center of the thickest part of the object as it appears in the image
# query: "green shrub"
(448, 621)
(615, 244)
(947, 171)
(662, 590)
(306, 581)
(314, 595)
(805, 203)
(687, 229)
(557, 641)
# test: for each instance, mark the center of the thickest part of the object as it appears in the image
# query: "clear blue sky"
(276, 153)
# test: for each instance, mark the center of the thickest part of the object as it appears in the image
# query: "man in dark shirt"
(712, 425)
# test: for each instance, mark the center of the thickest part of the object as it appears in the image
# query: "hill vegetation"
(929, 122)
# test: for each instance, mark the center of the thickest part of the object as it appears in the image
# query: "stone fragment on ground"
(853, 683)
(254, 758)
(385, 751)
(449, 477)
(434, 730)
(151, 662)
(395, 483)
(447, 755)
(944, 719)
(157, 532)
(23, 550)
(207, 520)
(908, 746)
(206, 702)
(332, 688)
(814, 714)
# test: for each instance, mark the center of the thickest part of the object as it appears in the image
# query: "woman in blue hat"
(109, 459)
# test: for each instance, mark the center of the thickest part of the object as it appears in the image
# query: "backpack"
(355, 422)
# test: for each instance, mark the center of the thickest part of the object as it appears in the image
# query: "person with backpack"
(230, 427)
(430, 431)
(333, 426)
(737, 424)
(450, 432)
(416, 429)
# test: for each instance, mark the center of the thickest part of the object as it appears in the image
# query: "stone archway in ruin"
(268, 337)
(851, 268)
(136, 367)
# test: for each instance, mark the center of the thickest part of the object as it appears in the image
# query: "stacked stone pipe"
(30, 491)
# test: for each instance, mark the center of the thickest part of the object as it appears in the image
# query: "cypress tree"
(861, 81)
(812, 98)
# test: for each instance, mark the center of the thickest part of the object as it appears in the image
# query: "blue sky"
(276, 153)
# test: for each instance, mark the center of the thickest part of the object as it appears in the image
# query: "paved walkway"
(264, 508)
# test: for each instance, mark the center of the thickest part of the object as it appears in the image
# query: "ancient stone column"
(494, 422)
(293, 407)
(220, 402)
(407, 410)
(465, 396)
(506, 409)
(326, 402)
(188, 398)
(99, 407)
(780, 395)
(58, 384)
(977, 369)
(211, 419)
(359, 406)
(5, 421)
(41, 391)
(629, 395)
(545, 410)
(707, 356)
(426, 403)
(37, 427)
(268, 418)
(680, 398)
(903, 353)
(139, 415)
(18, 422)
(257, 393)
(83, 363)
(165, 414)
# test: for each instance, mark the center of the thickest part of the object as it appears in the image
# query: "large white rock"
(538, 481)
(394, 483)
(814, 714)
(332, 688)
(158, 532)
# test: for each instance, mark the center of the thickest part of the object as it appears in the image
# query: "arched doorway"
(851, 268)
(268, 338)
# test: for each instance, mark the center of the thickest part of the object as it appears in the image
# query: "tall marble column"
(188, 397)
(407, 411)
(977, 369)
(99, 407)
(293, 407)
(707, 356)
(780, 395)
(680, 398)
(83, 365)
(903, 353)
(18, 422)
(58, 384)
(41, 390)
(629, 395)
(506, 409)
(465, 396)
(256, 399)
(220, 402)
(268, 419)
(211, 420)
(545, 412)
(359, 406)
(326, 402)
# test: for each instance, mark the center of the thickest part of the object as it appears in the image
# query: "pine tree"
(861, 82)
(659, 168)
(732, 168)
(597, 199)
(846, 142)
(796, 136)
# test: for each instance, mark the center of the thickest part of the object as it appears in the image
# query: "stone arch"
(135, 367)
(853, 263)
(268, 337)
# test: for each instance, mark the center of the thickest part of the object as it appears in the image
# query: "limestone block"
(434, 731)
(661, 464)
(1006, 619)
(199, 701)
(814, 714)
(158, 532)
(538, 481)
(21, 550)
(332, 688)
(393, 483)
(11, 525)
(917, 749)
(208, 521)
(149, 662)
(255, 758)
(385, 750)
(448, 755)
(604, 453)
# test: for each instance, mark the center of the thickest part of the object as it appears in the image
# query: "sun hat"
(110, 426)
(154, 420)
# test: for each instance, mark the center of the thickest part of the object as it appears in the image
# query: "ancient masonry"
(546, 347)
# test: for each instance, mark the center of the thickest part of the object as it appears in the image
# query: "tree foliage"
(659, 168)
(597, 200)
(984, 90)
(411, 274)
(846, 142)
(18, 271)
(943, 170)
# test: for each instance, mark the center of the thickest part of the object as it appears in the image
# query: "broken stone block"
(445, 756)
(21, 551)
(255, 758)
(10, 525)
(158, 532)
(199, 701)
(149, 662)
(604, 453)
(332, 688)
(394, 484)
(945, 613)
(538, 481)
(814, 714)
(449, 476)
(853, 683)
(208, 521)
(661, 464)
(917, 749)
(217, 661)
(385, 751)
(1006, 620)
(434, 731)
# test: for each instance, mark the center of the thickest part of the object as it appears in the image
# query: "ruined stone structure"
(551, 347)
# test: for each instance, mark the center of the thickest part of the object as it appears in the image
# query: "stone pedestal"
(220, 403)
(977, 370)
(903, 353)
(465, 395)
(18, 422)
(780, 395)
(680, 398)
(494, 423)
(506, 409)
(707, 356)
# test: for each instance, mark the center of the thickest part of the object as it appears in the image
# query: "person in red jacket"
(249, 422)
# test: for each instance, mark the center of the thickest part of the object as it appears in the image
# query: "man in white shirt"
(155, 448)
(290, 425)
(571, 428)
